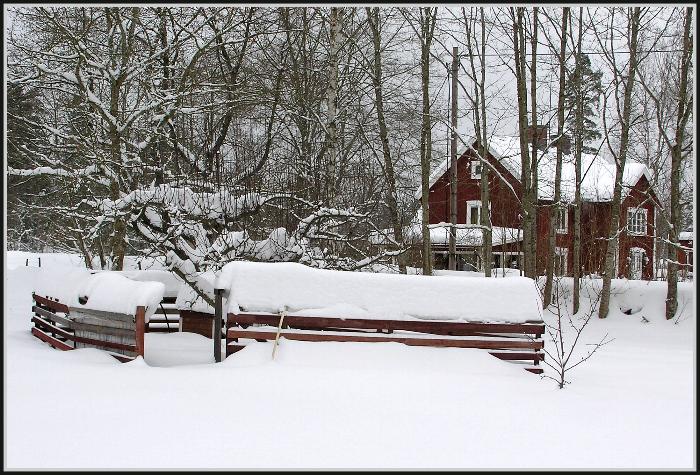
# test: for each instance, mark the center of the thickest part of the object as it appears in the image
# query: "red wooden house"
(685, 253)
(636, 243)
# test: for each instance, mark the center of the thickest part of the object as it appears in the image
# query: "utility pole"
(452, 262)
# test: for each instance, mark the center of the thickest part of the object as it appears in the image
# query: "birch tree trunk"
(486, 232)
(578, 150)
(613, 233)
(532, 215)
(332, 104)
(554, 209)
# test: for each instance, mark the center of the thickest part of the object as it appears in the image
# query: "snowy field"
(351, 405)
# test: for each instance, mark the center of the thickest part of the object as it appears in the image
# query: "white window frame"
(470, 204)
(563, 253)
(472, 168)
(635, 228)
(636, 254)
(565, 229)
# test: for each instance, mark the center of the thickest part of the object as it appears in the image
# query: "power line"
(585, 52)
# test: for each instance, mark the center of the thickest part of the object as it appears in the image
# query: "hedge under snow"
(274, 287)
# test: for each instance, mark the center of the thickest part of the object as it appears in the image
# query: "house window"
(637, 221)
(560, 260)
(474, 211)
(562, 220)
(476, 169)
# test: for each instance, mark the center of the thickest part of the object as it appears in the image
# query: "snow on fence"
(105, 311)
(269, 301)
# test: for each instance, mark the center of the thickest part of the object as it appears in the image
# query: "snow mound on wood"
(273, 287)
(188, 299)
(171, 281)
(60, 283)
(111, 292)
(105, 291)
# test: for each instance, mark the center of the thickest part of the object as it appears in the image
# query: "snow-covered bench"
(301, 303)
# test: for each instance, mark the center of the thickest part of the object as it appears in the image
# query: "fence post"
(40, 262)
(218, 313)
(140, 329)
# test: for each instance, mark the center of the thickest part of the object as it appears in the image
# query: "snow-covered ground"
(352, 405)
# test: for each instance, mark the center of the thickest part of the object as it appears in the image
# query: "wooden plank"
(379, 334)
(76, 338)
(162, 330)
(167, 311)
(50, 340)
(80, 317)
(140, 329)
(168, 300)
(535, 370)
(192, 313)
(436, 342)
(121, 358)
(83, 326)
(513, 356)
(101, 314)
(230, 349)
(432, 327)
(52, 304)
(170, 322)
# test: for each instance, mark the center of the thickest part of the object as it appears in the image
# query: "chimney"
(565, 143)
(541, 134)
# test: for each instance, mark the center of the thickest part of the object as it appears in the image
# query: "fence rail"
(513, 342)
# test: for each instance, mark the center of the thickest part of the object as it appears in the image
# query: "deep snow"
(350, 405)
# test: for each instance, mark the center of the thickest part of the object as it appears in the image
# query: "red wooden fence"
(514, 342)
(55, 325)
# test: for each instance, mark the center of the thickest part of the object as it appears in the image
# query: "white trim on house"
(565, 229)
(636, 258)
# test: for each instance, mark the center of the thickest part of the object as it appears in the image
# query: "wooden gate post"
(140, 329)
(218, 314)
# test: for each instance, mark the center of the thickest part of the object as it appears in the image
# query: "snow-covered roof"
(465, 235)
(685, 236)
(298, 289)
(598, 173)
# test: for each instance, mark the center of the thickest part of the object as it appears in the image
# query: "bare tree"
(335, 21)
(578, 150)
(373, 19)
(626, 80)
(528, 204)
(531, 254)
(565, 334)
(554, 209)
(478, 103)
(683, 108)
